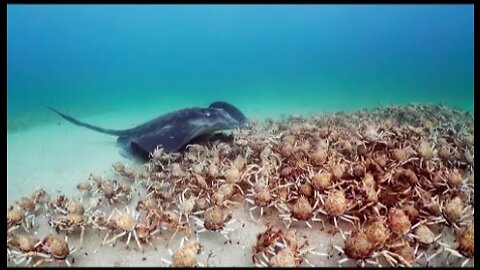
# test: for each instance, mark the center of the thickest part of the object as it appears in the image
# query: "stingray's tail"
(78, 123)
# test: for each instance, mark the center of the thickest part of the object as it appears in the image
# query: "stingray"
(172, 131)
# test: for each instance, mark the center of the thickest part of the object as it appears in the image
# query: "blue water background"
(266, 59)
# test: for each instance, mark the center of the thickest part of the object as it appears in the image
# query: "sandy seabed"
(57, 157)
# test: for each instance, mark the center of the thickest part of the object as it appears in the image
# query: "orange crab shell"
(321, 181)
(377, 232)
(466, 241)
(357, 246)
(398, 221)
(302, 210)
(336, 203)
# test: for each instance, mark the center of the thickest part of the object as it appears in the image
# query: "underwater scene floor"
(388, 186)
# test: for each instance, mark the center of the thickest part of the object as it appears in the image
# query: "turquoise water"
(266, 60)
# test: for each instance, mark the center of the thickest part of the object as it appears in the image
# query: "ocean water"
(268, 60)
(117, 66)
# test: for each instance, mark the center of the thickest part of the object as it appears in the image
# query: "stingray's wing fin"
(171, 138)
(230, 109)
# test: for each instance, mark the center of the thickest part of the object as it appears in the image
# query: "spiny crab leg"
(115, 237)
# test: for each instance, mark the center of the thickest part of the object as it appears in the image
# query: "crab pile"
(393, 181)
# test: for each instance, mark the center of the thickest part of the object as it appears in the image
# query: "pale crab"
(122, 223)
(185, 256)
(16, 216)
(276, 248)
(69, 223)
(23, 247)
(301, 211)
(336, 205)
(261, 196)
(56, 248)
(216, 220)
(186, 206)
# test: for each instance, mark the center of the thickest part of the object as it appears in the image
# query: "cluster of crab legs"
(401, 178)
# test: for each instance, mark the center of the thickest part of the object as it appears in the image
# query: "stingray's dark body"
(174, 130)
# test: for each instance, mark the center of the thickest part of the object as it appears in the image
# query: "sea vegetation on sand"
(400, 178)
